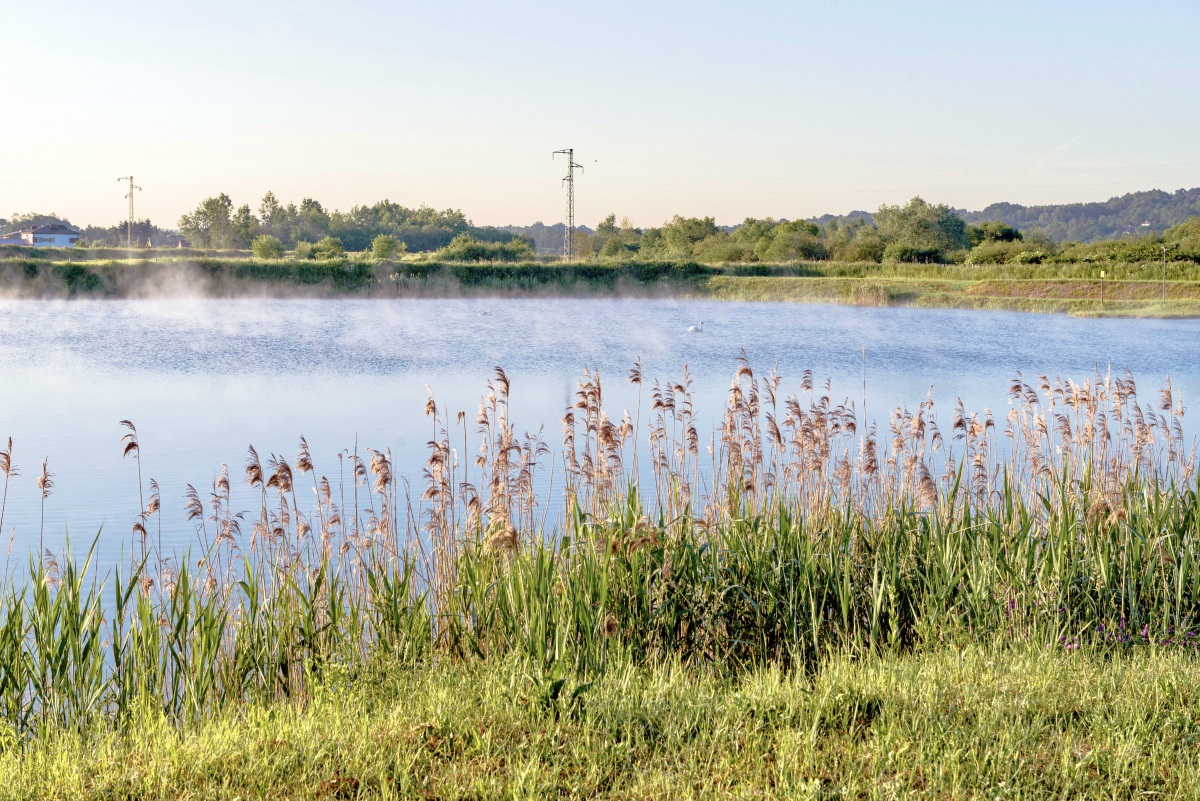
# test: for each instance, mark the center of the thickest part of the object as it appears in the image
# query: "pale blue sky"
(734, 110)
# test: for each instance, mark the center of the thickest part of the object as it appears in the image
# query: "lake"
(205, 379)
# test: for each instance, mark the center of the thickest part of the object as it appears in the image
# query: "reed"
(794, 535)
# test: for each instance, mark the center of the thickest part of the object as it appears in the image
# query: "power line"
(569, 235)
(129, 231)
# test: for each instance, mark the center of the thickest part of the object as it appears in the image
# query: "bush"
(267, 247)
(1007, 252)
(304, 250)
(793, 245)
(898, 251)
(718, 249)
(329, 248)
(465, 247)
(385, 246)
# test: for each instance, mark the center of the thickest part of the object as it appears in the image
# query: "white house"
(54, 235)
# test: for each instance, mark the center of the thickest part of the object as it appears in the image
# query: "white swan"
(694, 330)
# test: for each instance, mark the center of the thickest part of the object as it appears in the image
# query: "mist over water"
(204, 379)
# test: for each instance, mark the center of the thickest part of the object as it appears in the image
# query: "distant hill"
(1129, 215)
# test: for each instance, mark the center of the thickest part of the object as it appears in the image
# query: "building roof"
(49, 228)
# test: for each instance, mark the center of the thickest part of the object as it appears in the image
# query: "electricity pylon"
(569, 237)
(129, 231)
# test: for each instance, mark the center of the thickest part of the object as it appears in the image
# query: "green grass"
(987, 722)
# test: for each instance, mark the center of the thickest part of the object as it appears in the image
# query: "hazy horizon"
(782, 110)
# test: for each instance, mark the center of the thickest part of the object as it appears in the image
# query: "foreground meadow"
(986, 722)
(802, 606)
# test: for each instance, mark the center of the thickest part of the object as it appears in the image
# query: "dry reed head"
(129, 441)
(6, 463)
(45, 481)
(304, 458)
(503, 539)
(155, 501)
(192, 505)
(254, 469)
(281, 474)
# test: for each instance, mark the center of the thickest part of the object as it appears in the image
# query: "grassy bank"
(977, 721)
(1127, 290)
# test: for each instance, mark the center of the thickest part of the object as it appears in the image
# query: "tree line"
(216, 223)
(917, 231)
(914, 232)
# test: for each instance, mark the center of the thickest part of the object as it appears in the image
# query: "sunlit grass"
(985, 720)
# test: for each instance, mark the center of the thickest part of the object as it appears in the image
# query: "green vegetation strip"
(1126, 289)
(949, 723)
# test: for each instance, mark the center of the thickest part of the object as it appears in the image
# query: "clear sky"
(783, 109)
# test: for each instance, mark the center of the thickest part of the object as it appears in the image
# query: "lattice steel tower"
(569, 237)
(129, 230)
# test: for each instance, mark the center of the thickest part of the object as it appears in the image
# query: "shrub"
(385, 246)
(329, 248)
(717, 249)
(465, 247)
(790, 244)
(898, 251)
(1008, 252)
(267, 247)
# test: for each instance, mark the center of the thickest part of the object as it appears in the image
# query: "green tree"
(243, 227)
(1185, 237)
(919, 231)
(679, 238)
(994, 231)
(608, 225)
(867, 245)
(269, 209)
(267, 247)
(211, 224)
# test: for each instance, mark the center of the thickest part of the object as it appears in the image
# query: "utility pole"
(569, 237)
(129, 230)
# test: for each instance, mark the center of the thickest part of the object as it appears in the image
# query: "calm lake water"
(205, 379)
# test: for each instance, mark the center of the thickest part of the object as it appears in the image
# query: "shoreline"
(1129, 290)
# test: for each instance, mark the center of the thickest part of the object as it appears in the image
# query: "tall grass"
(794, 533)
